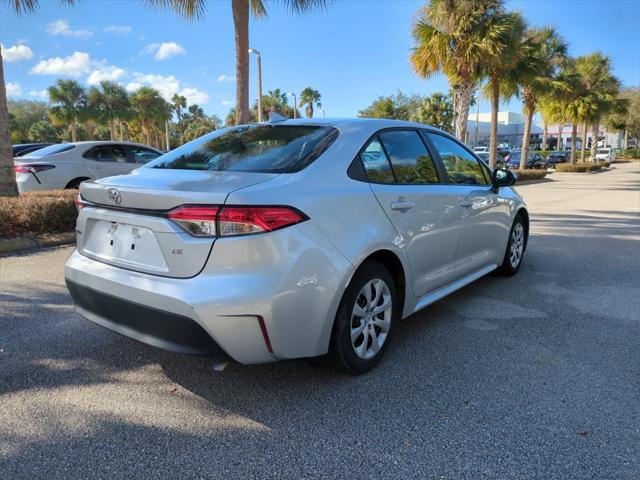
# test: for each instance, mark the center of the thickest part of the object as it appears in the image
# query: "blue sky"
(353, 52)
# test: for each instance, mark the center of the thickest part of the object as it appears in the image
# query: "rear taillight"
(198, 221)
(32, 168)
(79, 202)
(228, 221)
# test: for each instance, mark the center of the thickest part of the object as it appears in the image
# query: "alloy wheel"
(517, 245)
(371, 318)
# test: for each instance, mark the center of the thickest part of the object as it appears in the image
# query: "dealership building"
(511, 132)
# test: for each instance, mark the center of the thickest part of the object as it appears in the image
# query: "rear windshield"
(604, 150)
(52, 150)
(252, 148)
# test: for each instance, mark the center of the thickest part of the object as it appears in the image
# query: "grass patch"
(35, 213)
(581, 167)
(530, 174)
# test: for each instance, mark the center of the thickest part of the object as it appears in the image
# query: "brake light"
(211, 221)
(79, 202)
(32, 167)
(198, 221)
(245, 220)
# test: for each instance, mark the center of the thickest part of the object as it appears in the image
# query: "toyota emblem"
(114, 196)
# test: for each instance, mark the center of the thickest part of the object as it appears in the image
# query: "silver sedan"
(296, 238)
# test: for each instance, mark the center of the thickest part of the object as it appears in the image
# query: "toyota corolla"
(290, 239)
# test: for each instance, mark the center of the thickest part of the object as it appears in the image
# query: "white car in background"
(65, 165)
(605, 155)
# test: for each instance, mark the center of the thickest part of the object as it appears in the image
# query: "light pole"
(295, 104)
(257, 53)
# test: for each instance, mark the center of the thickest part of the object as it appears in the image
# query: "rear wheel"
(75, 183)
(515, 248)
(364, 320)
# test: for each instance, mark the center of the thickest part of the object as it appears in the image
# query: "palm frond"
(188, 9)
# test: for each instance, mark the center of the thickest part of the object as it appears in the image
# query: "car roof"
(377, 123)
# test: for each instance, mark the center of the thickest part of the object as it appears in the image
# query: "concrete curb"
(33, 242)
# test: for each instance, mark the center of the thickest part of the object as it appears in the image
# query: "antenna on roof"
(276, 117)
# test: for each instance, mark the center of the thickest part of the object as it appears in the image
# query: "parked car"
(606, 155)
(65, 165)
(557, 157)
(500, 163)
(292, 239)
(477, 150)
(534, 160)
(22, 149)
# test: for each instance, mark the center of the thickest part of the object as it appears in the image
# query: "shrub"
(630, 153)
(530, 174)
(581, 167)
(36, 213)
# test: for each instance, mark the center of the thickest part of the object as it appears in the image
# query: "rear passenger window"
(108, 153)
(143, 155)
(462, 167)
(376, 164)
(409, 157)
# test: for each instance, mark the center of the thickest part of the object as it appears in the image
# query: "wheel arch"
(75, 183)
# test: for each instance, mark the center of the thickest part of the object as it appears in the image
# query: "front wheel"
(515, 248)
(364, 320)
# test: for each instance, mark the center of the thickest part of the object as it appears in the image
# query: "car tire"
(356, 322)
(515, 248)
(75, 183)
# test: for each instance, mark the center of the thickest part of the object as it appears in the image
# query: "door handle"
(402, 205)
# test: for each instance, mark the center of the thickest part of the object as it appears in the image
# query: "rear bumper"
(259, 299)
(143, 323)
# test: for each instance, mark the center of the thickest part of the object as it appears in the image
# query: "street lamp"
(257, 53)
(295, 104)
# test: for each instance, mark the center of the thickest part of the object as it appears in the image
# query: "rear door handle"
(402, 205)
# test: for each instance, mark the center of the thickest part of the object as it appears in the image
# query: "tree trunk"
(559, 146)
(241, 25)
(120, 125)
(583, 150)
(594, 141)
(7, 174)
(626, 139)
(462, 94)
(309, 110)
(495, 106)
(147, 131)
(112, 129)
(574, 138)
(545, 135)
(74, 130)
(524, 153)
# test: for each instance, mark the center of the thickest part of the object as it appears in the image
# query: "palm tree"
(69, 103)
(456, 38)
(601, 90)
(150, 109)
(309, 97)
(7, 175)
(499, 65)
(241, 10)
(178, 103)
(435, 110)
(278, 96)
(109, 103)
(542, 54)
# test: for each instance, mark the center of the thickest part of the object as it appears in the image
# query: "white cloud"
(13, 89)
(193, 95)
(16, 53)
(39, 94)
(73, 65)
(165, 50)
(61, 27)
(168, 86)
(227, 103)
(226, 78)
(105, 72)
(120, 29)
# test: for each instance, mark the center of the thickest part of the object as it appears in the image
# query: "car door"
(107, 160)
(485, 215)
(424, 211)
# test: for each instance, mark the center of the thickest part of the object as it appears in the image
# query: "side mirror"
(504, 178)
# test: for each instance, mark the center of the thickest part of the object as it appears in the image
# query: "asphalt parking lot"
(537, 376)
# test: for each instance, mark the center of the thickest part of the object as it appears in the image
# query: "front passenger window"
(462, 167)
